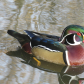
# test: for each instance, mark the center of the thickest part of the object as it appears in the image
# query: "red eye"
(79, 34)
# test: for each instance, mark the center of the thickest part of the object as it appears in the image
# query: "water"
(44, 16)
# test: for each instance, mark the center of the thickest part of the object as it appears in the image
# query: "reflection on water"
(66, 74)
(47, 16)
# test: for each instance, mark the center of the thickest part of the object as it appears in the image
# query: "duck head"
(72, 35)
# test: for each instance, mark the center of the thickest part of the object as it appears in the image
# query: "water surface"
(43, 16)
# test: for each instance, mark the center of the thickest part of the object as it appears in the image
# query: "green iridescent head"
(76, 30)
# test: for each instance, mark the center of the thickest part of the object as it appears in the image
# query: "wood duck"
(64, 50)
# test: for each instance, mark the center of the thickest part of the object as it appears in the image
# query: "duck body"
(55, 49)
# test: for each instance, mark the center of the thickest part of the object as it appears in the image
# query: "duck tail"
(23, 39)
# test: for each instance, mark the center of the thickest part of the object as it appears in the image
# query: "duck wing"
(46, 36)
(45, 41)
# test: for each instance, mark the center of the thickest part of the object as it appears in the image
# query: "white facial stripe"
(64, 37)
(76, 43)
(69, 43)
(67, 58)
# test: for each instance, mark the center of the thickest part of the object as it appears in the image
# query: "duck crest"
(60, 50)
(71, 29)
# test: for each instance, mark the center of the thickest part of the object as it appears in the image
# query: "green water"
(45, 16)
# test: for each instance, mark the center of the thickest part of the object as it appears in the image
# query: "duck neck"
(75, 54)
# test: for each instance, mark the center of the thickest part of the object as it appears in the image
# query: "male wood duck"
(64, 50)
